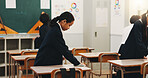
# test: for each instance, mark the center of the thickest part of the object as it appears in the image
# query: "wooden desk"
(17, 59)
(18, 52)
(93, 54)
(92, 57)
(14, 53)
(126, 63)
(90, 49)
(11, 53)
(41, 70)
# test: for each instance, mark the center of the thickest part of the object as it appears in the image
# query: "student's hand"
(81, 65)
(145, 57)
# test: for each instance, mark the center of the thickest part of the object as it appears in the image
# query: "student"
(53, 48)
(44, 18)
(127, 29)
(136, 44)
(126, 32)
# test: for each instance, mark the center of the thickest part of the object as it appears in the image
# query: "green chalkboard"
(24, 16)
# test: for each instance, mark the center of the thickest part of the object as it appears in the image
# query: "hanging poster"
(45, 4)
(117, 8)
(10, 3)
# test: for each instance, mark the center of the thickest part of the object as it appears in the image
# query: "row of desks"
(16, 59)
(121, 63)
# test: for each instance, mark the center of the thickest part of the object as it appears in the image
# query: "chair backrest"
(104, 57)
(144, 69)
(29, 61)
(29, 52)
(58, 74)
(75, 51)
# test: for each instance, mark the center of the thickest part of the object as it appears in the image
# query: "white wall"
(117, 24)
(135, 5)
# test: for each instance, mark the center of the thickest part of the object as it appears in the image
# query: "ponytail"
(54, 20)
(64, 16)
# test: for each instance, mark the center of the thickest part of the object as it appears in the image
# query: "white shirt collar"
(140, 20)
(60, 27)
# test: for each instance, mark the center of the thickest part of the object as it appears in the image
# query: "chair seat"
(104, 72)
(29, 76)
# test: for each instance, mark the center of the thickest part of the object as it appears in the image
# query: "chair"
(76, 51)
(57, 73)
(29, 52)
(29, 61)
(103, 58)
(144, 69)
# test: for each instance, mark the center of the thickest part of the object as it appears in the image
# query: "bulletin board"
(24, 16)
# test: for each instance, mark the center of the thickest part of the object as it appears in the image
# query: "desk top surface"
(48, 69)
(13, 52)
(128, 62)
(21, 57)
(19, 51)
(92, 54)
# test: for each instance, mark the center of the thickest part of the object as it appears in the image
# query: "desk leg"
(87, 60)
(111, 68)
(39, 76)
(11, 68)
(87, 74)
(14, 68)
(122, 72)
(17, 70)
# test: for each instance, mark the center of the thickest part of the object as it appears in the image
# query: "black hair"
(134, 18)
(44, 18)
(64, 16)
(144, 21)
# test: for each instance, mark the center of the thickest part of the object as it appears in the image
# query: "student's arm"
(138, 37)
(63, 49)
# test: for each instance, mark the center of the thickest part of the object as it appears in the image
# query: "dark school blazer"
(53, 48)
(134, 47)
(42, 32)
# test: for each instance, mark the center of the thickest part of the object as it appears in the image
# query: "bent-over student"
(136, 45)
(125, 34)
(53, 48)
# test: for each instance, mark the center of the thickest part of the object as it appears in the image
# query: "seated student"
(44, 18)
(53, 47)
(135, 46)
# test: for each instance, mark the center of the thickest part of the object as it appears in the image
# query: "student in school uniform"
(44, 18)
(136, 45)
(53, 48)
(126, 32)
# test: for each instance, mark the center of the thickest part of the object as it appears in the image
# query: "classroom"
(73, 39)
